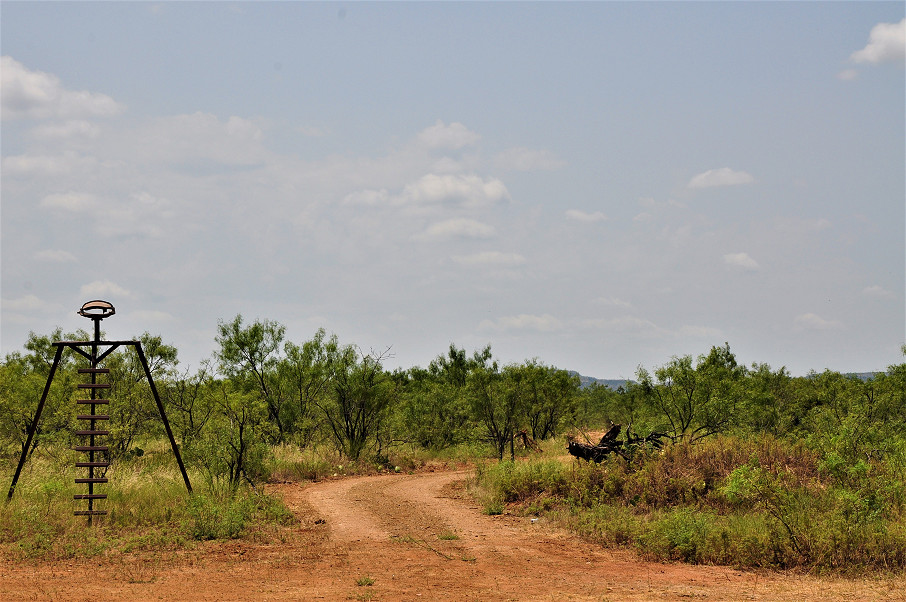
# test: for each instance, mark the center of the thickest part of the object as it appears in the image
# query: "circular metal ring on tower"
(97, 309)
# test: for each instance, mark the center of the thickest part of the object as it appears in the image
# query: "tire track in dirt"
(340, 505)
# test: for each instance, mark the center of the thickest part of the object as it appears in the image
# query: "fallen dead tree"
(610, 444)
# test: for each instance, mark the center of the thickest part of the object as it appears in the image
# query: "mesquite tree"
(363, 394)
(695, 401)
(248, 356)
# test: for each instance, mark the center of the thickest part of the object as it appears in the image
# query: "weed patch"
(758, 502)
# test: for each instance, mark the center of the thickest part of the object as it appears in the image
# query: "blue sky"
(596, 185)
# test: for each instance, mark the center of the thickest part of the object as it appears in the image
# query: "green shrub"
(680, 534)
(610, 525)
(215, 519)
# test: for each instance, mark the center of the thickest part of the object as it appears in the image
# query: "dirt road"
(410, 537)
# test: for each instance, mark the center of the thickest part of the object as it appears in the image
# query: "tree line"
(260, 390)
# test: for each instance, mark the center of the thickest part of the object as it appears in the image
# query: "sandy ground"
(410, 537)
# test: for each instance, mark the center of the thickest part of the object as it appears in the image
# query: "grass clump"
(234, 516)
(524, 482)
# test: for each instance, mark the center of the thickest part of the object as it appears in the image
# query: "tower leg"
(163, 415)
(34, 423)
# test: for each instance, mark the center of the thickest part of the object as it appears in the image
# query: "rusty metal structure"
(97, 460)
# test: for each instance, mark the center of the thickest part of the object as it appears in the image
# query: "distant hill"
(587, 381)
(863, 376)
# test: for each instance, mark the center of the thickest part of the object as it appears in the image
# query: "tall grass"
(148, 508)
(750, 503)
(314, 463)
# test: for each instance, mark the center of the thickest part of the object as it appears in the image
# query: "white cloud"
(140, 214)
(37, 166)
(199, 139)
(886, 44)
(242, 129)
(442, 136)
(75, 128)
(848, 75)
(526, 159)
(812, 321)
(103, 288)
(469, 190)
(70, 201)
(437, 189)
(582, 216)
(542, 323)
(446, 165)
(640, 327)
(492, 258)
(819, 224)
(742, 261)
(877, 291)
(650, 203)
(55, 256)
(612, 302)
(456, 228)
(26, 94)
(625, 324)
(28, 303)
(311, 131)
(720, 177)
(651, 206)
(367, 197)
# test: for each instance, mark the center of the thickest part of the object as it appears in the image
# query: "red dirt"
(386, 531)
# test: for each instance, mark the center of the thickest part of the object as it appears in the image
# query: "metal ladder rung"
(92, 432)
